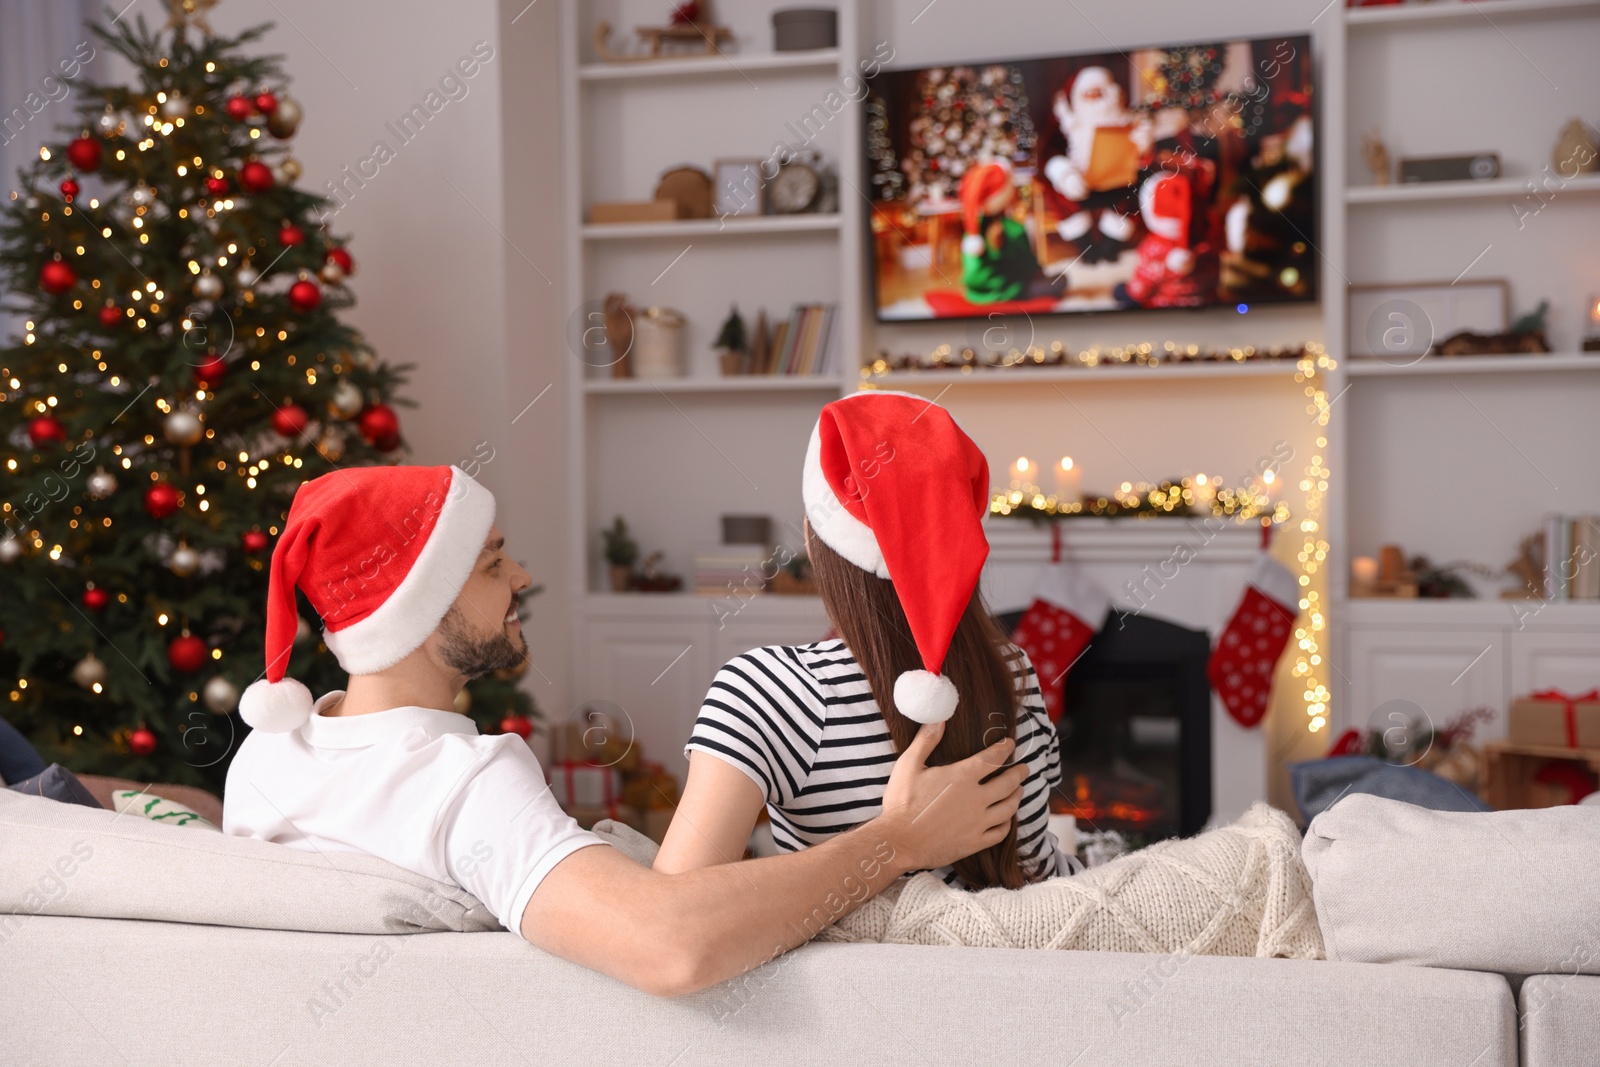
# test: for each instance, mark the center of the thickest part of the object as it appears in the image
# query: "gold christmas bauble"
(184, 561)
(463, 701)
(182, 428)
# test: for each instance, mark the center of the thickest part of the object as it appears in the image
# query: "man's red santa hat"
(381, 553)
(985, 191)
(893, 485)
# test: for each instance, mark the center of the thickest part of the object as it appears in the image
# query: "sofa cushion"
(147, 805)
(204, 804)
(55, 782)
(1505, 891)
(61, 859)
(293, 999)
(1319, 784)
(1560, 1017)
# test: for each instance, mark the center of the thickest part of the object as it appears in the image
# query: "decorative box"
(586, 785)
(1551, 717)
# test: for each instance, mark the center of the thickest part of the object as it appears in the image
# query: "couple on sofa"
(916, 741)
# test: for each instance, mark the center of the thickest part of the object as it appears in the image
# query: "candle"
(1022, 473)
(1069, 481)
(1363, 573)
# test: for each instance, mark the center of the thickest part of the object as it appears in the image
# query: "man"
(409, 574)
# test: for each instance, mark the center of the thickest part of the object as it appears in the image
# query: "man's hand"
(933, 816)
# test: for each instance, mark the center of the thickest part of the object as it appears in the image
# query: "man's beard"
(475, 655)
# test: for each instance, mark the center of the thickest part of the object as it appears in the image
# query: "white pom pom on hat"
(925, 697)
(276, 707)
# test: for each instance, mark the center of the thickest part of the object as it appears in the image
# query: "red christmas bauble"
(520, 725)
(380, 426)
(255, 177)
(291, 236)
(290, 420)
(342, 257)
(210, 370)
(239, 108)
(96, 599)
(161, 500)
(141, 742)
(84, 153)
(217, 186)
(46, 428)
(70, 189)
(253, 541)
(110, 315)
(266, 103)
(304, 296)
(187, 653)
(56, 277)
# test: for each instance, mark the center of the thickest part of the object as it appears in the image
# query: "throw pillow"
(1319, 783)
(57, 783)
(18, 760)
(157, 809)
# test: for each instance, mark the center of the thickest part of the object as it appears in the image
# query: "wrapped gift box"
(585, 785)
(1550, 717)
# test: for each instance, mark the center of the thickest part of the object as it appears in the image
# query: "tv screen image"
(1181, 176)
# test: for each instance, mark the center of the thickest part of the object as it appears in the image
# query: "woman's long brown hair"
(866, 611)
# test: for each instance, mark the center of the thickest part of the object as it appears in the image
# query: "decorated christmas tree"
(181, 371)
(964, 115)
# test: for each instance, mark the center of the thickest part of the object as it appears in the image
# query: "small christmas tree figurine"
(181, 371)
(733, 345)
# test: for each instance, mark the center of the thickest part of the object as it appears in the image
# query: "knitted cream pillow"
(1237, 891)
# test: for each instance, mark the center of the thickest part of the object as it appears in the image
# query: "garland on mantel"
(1145, 354)
(1185, 498)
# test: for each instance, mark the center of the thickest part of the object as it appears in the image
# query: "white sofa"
(294, 958)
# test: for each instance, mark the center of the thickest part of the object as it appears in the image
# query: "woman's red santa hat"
(985, 192)
(893, 485)
(381, 553)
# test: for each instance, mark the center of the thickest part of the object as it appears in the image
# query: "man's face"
(481, 633)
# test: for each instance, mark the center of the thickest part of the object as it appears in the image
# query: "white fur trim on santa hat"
(414, 609)
(1276, 582)
(275, 707)
(973, 244)
(925, 697)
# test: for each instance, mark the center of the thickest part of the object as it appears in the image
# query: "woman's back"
(801, 722)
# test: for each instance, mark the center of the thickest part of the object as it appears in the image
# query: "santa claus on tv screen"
(1180, 176)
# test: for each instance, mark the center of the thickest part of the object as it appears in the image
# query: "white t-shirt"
(418, 787)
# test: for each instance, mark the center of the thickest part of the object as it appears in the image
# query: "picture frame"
(1404, 321)
(738, 188)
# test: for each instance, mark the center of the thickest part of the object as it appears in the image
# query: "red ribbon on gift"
(607, 780)
(1570, 707)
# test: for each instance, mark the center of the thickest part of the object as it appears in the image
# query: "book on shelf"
(717, 567)
(806, 343)
(1572, 557)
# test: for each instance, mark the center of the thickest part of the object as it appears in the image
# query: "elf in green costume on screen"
(997, 261)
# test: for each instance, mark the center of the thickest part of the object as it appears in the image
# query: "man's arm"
(674, 933)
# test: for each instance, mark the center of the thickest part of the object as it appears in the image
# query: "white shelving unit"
(1405, 440)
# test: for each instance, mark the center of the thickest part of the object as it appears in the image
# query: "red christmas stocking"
(1066, 613)
(1241, 665)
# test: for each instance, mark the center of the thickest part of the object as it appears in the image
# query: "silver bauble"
(183, 428)
(141, 196)
(208, 286)
(331, 273)
(10, 550)
(347, 400)
(281, 178)
(89, 672)
(302, 630)
(108, 123)
(220, 696)
(285, 118)
(184, 561)
(101, 484)
(248, 276)
(331, 446)
(175, 106)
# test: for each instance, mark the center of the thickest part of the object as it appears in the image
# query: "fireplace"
(1136, 731)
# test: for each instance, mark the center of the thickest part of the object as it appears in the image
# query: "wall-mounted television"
(1172, 177)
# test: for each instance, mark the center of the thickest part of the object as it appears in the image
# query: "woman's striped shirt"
(801, 722)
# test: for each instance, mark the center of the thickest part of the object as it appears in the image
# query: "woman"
(892, 486)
